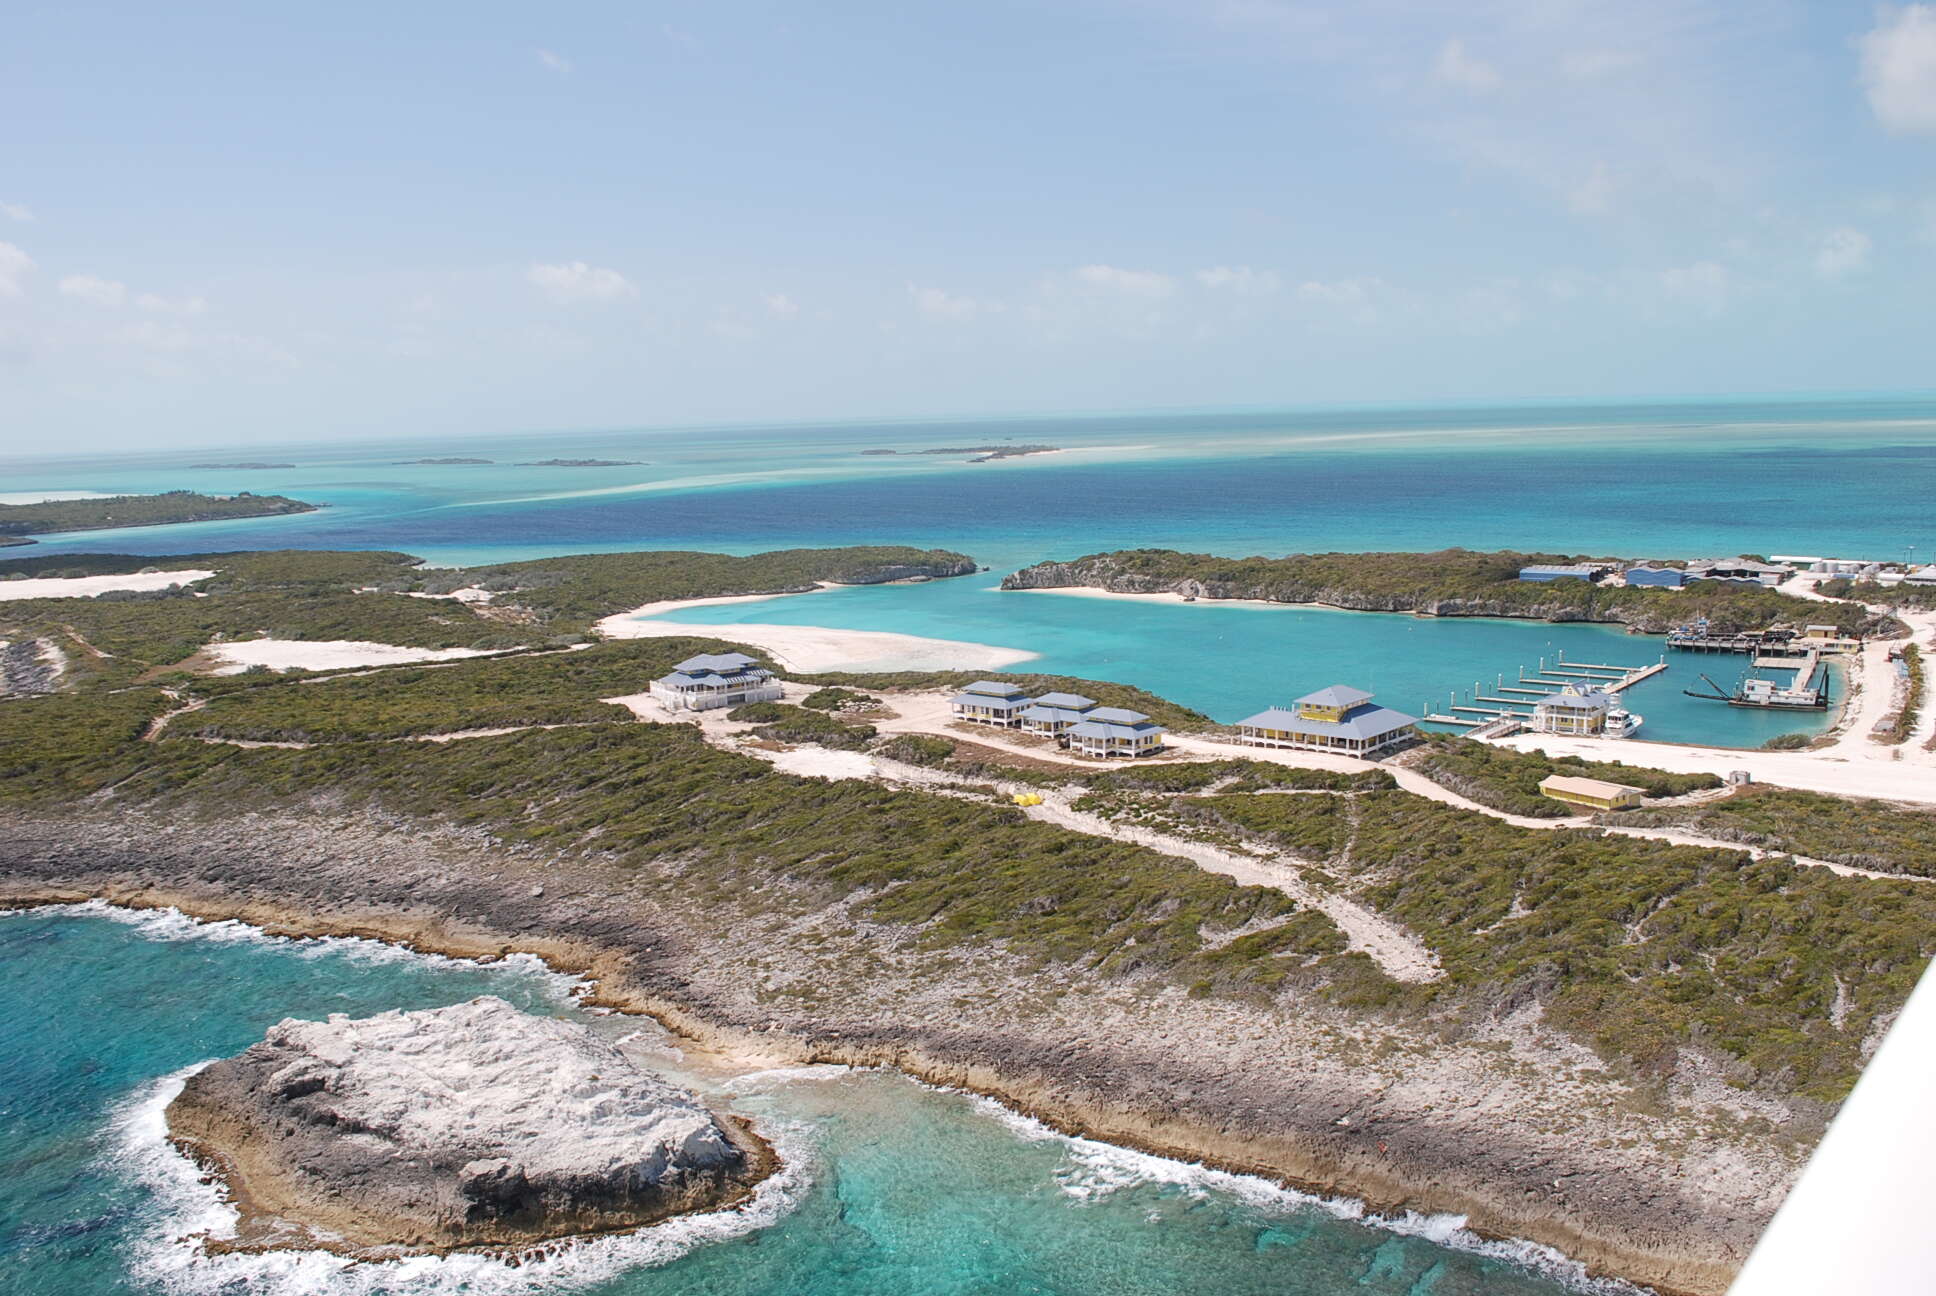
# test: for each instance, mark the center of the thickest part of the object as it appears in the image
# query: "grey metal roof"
(1090, 728)
(988, 703)
(993, 688)
(1117, 715)
(726, 662)
(1051, 714)
(1072, 701)
(1364, 723)
(1559, 570)
(1571, 700)
(1338, 695)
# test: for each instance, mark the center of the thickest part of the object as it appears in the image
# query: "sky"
(242, 223)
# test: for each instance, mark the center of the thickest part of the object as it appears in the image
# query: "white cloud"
(781, 304)
(16, 211)
(1241, 280)
(553, 62)
(574, 281)
(92, 288)
(1131, 283)
(14, 265)
(935, 304)
(1703, 285)
(1456, 68)
(1339, 292)
(1843, 252)
(1899, 68)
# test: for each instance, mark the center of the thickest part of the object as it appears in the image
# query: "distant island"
(983, 454)
(585, 463)
(239, 466)
(140, 510)
(455, 459)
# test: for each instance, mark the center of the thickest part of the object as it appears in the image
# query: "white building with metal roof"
(1338, 719)
(715, 680)
(1056, 713)
(991, 702)
(1115, 731)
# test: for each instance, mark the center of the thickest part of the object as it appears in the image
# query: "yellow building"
(1596, 794)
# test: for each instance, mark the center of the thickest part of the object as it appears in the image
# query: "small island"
(239, 467)
(585, 463)
(468, 1127)
(170, 507)
(982, 454)
(439, 463)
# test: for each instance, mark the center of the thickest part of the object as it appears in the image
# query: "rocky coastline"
(1520, 1133)
(475, 1126)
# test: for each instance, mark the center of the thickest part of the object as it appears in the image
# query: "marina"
(1801, 693)
(1566, 697)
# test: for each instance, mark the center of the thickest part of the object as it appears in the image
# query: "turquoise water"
(891, 1187)
(1836, 477)
(1232, 660)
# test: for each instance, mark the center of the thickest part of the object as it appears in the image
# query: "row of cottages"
(1338, 719)
(716, 680)
(1077, 721)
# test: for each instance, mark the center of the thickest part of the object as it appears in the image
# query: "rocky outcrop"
(476, 1125)
(885, 573)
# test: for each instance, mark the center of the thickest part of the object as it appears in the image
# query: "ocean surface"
(1850, 477)
(891, 1188)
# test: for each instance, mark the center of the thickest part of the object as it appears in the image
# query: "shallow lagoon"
(1230, 660)
(894, 1188)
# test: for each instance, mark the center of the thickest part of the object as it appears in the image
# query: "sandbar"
(323, 654)
(36, 587)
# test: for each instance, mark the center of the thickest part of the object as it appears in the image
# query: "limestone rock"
(467, 1126)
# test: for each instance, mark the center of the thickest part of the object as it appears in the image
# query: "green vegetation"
(1910, 596)
(1161, 710)
(837, 699)
(1448, 582)
(572, 592)
(1234, 776)
(918, 749)
(533, 689)
(140, 510)
(1904, 722)
(1867, 834)
(1509, 780)
(783, 722)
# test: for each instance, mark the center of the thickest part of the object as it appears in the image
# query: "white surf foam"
(168, 1252)
(1093, 1171)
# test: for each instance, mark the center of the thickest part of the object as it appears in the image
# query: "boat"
(1622, 724)
(1755, 692)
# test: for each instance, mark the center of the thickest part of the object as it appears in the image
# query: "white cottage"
(716, 680)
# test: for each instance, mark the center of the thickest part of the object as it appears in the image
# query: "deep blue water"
(891, 1187)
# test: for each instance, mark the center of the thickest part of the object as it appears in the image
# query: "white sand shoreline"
(37, 587)
(812, 649)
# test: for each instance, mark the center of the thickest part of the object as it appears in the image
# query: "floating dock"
(1484, 706)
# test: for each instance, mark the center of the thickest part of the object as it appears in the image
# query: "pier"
(1484, 707)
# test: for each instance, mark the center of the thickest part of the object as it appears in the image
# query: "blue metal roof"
(994, 688)
(1338, 695)
(1117, 715)
(724, 662)
(988, 703)
(1052, 715)
(1091, 728)
(1071, 701)
(1363, 723)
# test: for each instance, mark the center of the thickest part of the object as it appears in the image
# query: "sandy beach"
(38, 587)
(815, 648)
(324, 654)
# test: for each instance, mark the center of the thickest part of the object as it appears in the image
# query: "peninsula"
(1447, 582)
(982, 454)
(1374, 979)
(472, 1126)
(140, 510)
